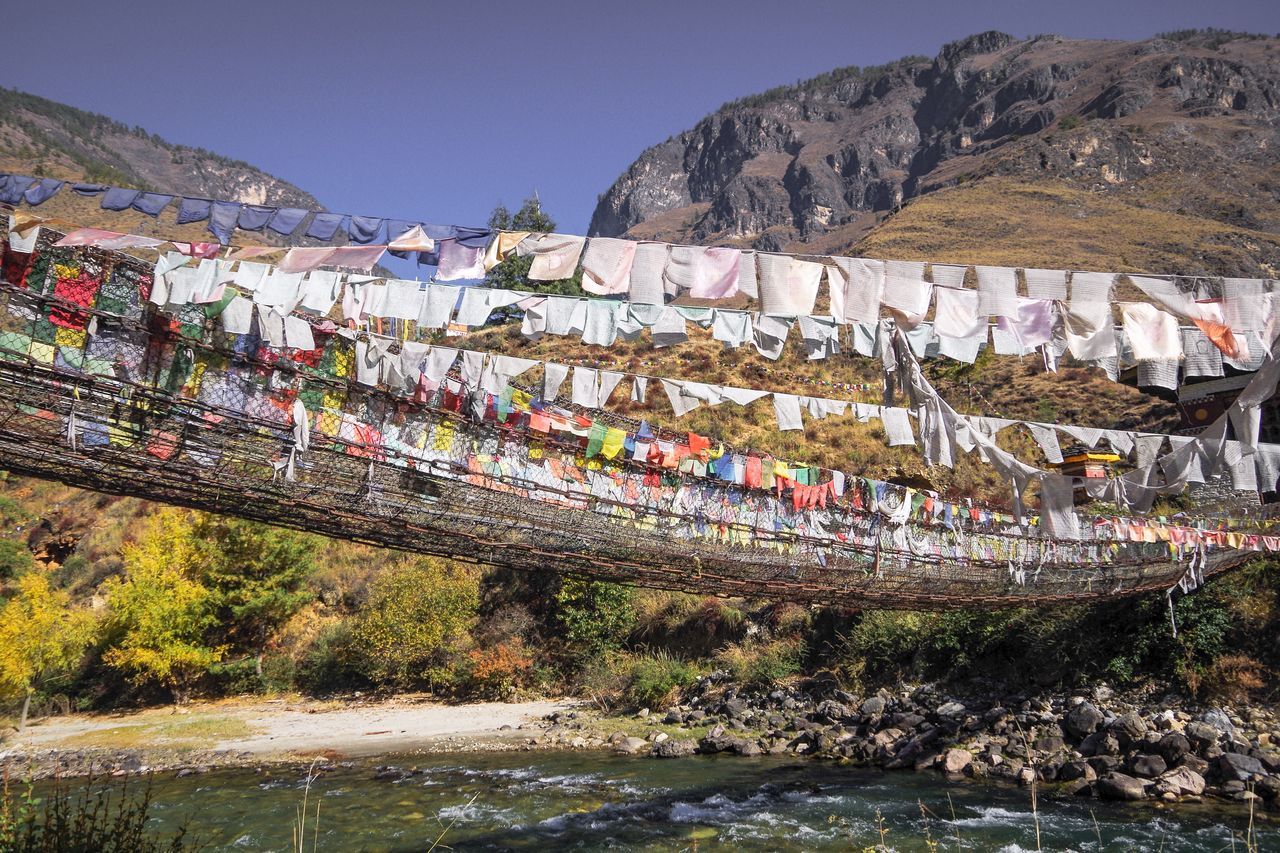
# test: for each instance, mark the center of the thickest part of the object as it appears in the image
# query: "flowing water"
(595, 801)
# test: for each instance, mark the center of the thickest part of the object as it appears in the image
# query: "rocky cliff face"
(1188, 125)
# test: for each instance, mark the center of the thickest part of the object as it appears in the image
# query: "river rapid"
(597, 801)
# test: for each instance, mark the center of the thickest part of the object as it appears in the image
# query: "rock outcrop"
(1191, 126)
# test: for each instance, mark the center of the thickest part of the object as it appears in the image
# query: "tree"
(513, 273)
(158, 612)
(415, 622)
(596, 615)
(255, 576)
(41, 638)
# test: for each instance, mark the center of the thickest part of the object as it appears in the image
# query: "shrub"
(761, 663)
(1069, 122)
(329, 664)
(15, 560)
(498, 670)
(415, 623)
(656, 676)
(1230, 678)
(596, 616)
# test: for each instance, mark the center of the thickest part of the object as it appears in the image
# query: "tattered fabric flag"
(286, 220)
(606, 266)
(222, 219)
(681, 403)
(788, 286)
(365, 229)
(254, 217)
(862, 290)
(193, 210)
(459, 262)
(1205, 313)
(1152, 333)
(43, 190)
(555, 256)
(118, 198)
(413, 240)
(13, 187)
(324, 226)
(1031, 324)
(647, 268)
(997, 291)
(906, 290)
(502, 245)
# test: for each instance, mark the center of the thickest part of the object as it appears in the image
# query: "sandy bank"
(284, 728)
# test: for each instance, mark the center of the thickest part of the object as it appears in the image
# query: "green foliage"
(413, 627)
(15, 559)
(42, 637)
(763, 662)
(330, 663)
(255, 575)
(596, 616)
(656, 676)
(1070, 122)
(513, 273)
(158, 611)
(12, 512)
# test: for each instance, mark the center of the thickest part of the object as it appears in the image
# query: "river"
(596, 801)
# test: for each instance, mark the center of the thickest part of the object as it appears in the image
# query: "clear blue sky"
(440, 110)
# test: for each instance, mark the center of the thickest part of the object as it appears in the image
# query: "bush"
(498, 670)
(596, 616)
(15, 560)
(760, 663)
(1230, 678)
(1069, 122)
(655, 678)
(329, 665)
(414, 624)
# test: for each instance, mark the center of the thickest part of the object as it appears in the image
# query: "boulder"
(1083, 719)
(631, 745)
(1118, 786)
(1183, 781)
(1173, 746)
(1074, 770)
(956, 760)
(1269, 788)
(885, 738)
(1220, 721)
(1100, 743)
(1128, 727)
(1233, 765)
(872, 707)
(951, 709)
(675, 748)
(1049, 744)
(833, 711)
(1148, 766)
(1201, 735)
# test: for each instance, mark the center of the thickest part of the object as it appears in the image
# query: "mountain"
(1159, 154)
(45, 138)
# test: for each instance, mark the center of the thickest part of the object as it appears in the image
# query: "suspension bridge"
(102, 389)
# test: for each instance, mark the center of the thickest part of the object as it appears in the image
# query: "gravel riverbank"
(1095, 744)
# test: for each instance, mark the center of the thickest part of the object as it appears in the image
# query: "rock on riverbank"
(1097, 744)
